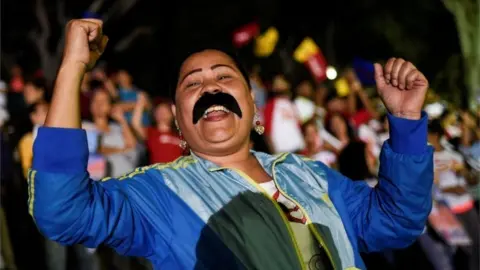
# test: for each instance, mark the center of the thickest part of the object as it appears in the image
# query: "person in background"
(38, 113)
(16, 82)
(117, 141)
(257, 87)
(452, 179)
(34, 91)
(337, 119)
(282, 123)
(127, 96)
(357, 162)
(315, 146)
(358, 113)
(339, 127)
(304, 100)
(162, 139)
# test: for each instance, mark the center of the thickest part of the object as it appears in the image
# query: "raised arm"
(137, 115)
(66, 205)
(394, 213)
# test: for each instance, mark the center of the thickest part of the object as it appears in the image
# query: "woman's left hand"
(402, 87)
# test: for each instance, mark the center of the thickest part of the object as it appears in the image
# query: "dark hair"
(352, 161)
(39, 83)
(259, 143)
(328, 121)
(33, 107)
(200, 47)
(435, 127)
(96, 84)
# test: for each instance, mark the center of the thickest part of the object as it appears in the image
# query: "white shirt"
(447, 178)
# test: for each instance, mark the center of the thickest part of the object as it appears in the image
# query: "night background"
(143, 35)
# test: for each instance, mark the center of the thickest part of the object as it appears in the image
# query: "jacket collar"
(266, 160)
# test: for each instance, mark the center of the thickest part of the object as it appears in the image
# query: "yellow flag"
(265, 43)
(342, 87)
(305, 50)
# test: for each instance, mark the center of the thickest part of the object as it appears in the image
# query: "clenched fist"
(402, 88)
(84, 42)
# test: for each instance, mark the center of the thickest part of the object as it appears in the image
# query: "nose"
(212, 88)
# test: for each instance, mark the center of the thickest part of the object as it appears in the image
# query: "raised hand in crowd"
(140, 106)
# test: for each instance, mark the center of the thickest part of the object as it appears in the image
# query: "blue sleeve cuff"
(408, 136)
(62, 150)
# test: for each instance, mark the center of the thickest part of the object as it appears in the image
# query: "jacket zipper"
(280, 211)
(309, 220)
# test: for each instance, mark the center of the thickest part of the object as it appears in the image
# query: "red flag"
(317, 65)
(243, 35)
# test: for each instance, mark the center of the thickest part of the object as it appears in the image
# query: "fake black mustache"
(221, 99)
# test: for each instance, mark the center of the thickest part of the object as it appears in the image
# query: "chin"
(219, 137)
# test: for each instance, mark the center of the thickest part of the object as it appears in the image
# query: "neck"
(163, 127)
(241, 159)
(312, 148)
(100, 121)
(437, 146)
(127, 86)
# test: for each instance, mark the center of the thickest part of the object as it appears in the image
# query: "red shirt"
(162, 146)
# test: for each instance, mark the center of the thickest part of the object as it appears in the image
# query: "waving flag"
(266, 42)
(312, 57)
(243, 35)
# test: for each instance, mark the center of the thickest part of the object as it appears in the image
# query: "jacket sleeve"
(393, 214)
(68, 207)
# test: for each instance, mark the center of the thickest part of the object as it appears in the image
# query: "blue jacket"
(192, 214)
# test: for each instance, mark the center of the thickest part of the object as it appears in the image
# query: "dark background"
(421, 31)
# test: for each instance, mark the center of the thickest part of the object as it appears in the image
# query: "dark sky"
(343, 28)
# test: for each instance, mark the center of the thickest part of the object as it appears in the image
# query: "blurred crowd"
(340, 122)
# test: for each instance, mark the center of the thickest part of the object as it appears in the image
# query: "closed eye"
(193, 84)
(223, 77)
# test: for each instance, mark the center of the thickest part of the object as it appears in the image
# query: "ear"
(174, 110)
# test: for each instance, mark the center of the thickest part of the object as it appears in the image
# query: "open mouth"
(215, 113)
(215, 107)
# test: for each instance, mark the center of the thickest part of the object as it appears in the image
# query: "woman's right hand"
(84, 42)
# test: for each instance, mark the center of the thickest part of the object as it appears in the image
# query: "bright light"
(331, 73)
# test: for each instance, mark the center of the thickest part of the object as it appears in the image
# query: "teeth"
(214, 109)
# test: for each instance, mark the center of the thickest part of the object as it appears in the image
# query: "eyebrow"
(199, 69)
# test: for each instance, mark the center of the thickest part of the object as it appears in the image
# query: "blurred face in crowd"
(305, 89)
(280, 84)
(32, 93)
(312, 139)
(216, 133)
(337, 104)
(124, 79)
(101, 104)
(39, 115)
(163, 114)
